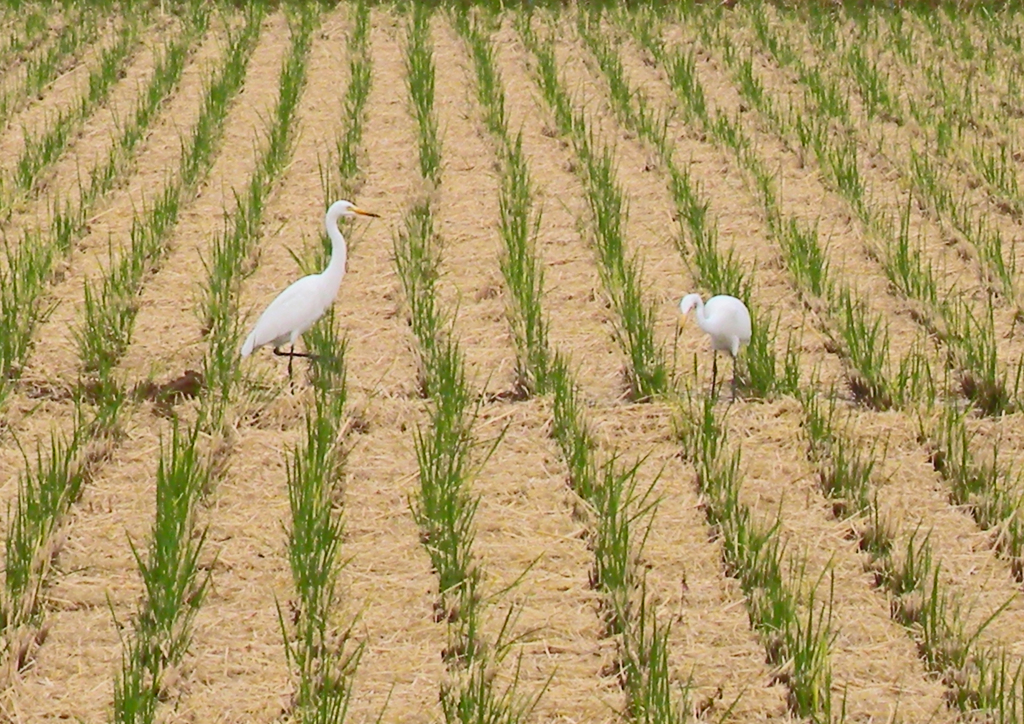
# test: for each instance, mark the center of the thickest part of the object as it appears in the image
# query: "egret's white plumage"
(300, 305)
(725, 319)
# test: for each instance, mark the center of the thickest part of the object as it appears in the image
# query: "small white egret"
(298, 307)
(727, 321)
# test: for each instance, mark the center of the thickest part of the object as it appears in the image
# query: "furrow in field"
(467, 216)
(526, 527)
(580, 320)
(778, 480)
(167, 340)
(83, 648)
(388, 585)
(647, 231)
(711, 639)
(236, 668)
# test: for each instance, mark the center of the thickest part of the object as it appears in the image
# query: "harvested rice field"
(510, 482)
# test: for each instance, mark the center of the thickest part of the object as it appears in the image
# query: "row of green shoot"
(618, 512)
(519, 222)
(444, 507)
(317, 645)
(343, 178)
(175, 580)
(108, 314)
(647, 371)
(716, 272)
(353, 111)
(231, 255)
(419, 74)
(319, 654)
(47, 488)
(979, 484)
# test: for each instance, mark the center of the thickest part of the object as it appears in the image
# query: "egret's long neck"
(339, 250)
(702, 319)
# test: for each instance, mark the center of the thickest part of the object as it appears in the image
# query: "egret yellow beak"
(363, 212)
(681, 323)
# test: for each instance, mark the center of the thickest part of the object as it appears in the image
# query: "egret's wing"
(296, 308)
(744, 328)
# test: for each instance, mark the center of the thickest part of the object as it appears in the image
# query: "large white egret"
(727, 321)
(298, 307)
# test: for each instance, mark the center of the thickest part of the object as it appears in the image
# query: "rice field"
(507, 490)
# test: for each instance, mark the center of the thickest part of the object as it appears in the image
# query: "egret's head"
(685, 305)
(688, 302)
(347, 209)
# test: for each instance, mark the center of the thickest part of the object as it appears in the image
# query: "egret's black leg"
(293, 353)
(714, 372)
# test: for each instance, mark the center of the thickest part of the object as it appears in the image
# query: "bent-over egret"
(298, 307)
(727, 321)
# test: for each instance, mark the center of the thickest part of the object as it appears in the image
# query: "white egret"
(727, 321)
(298, 307)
